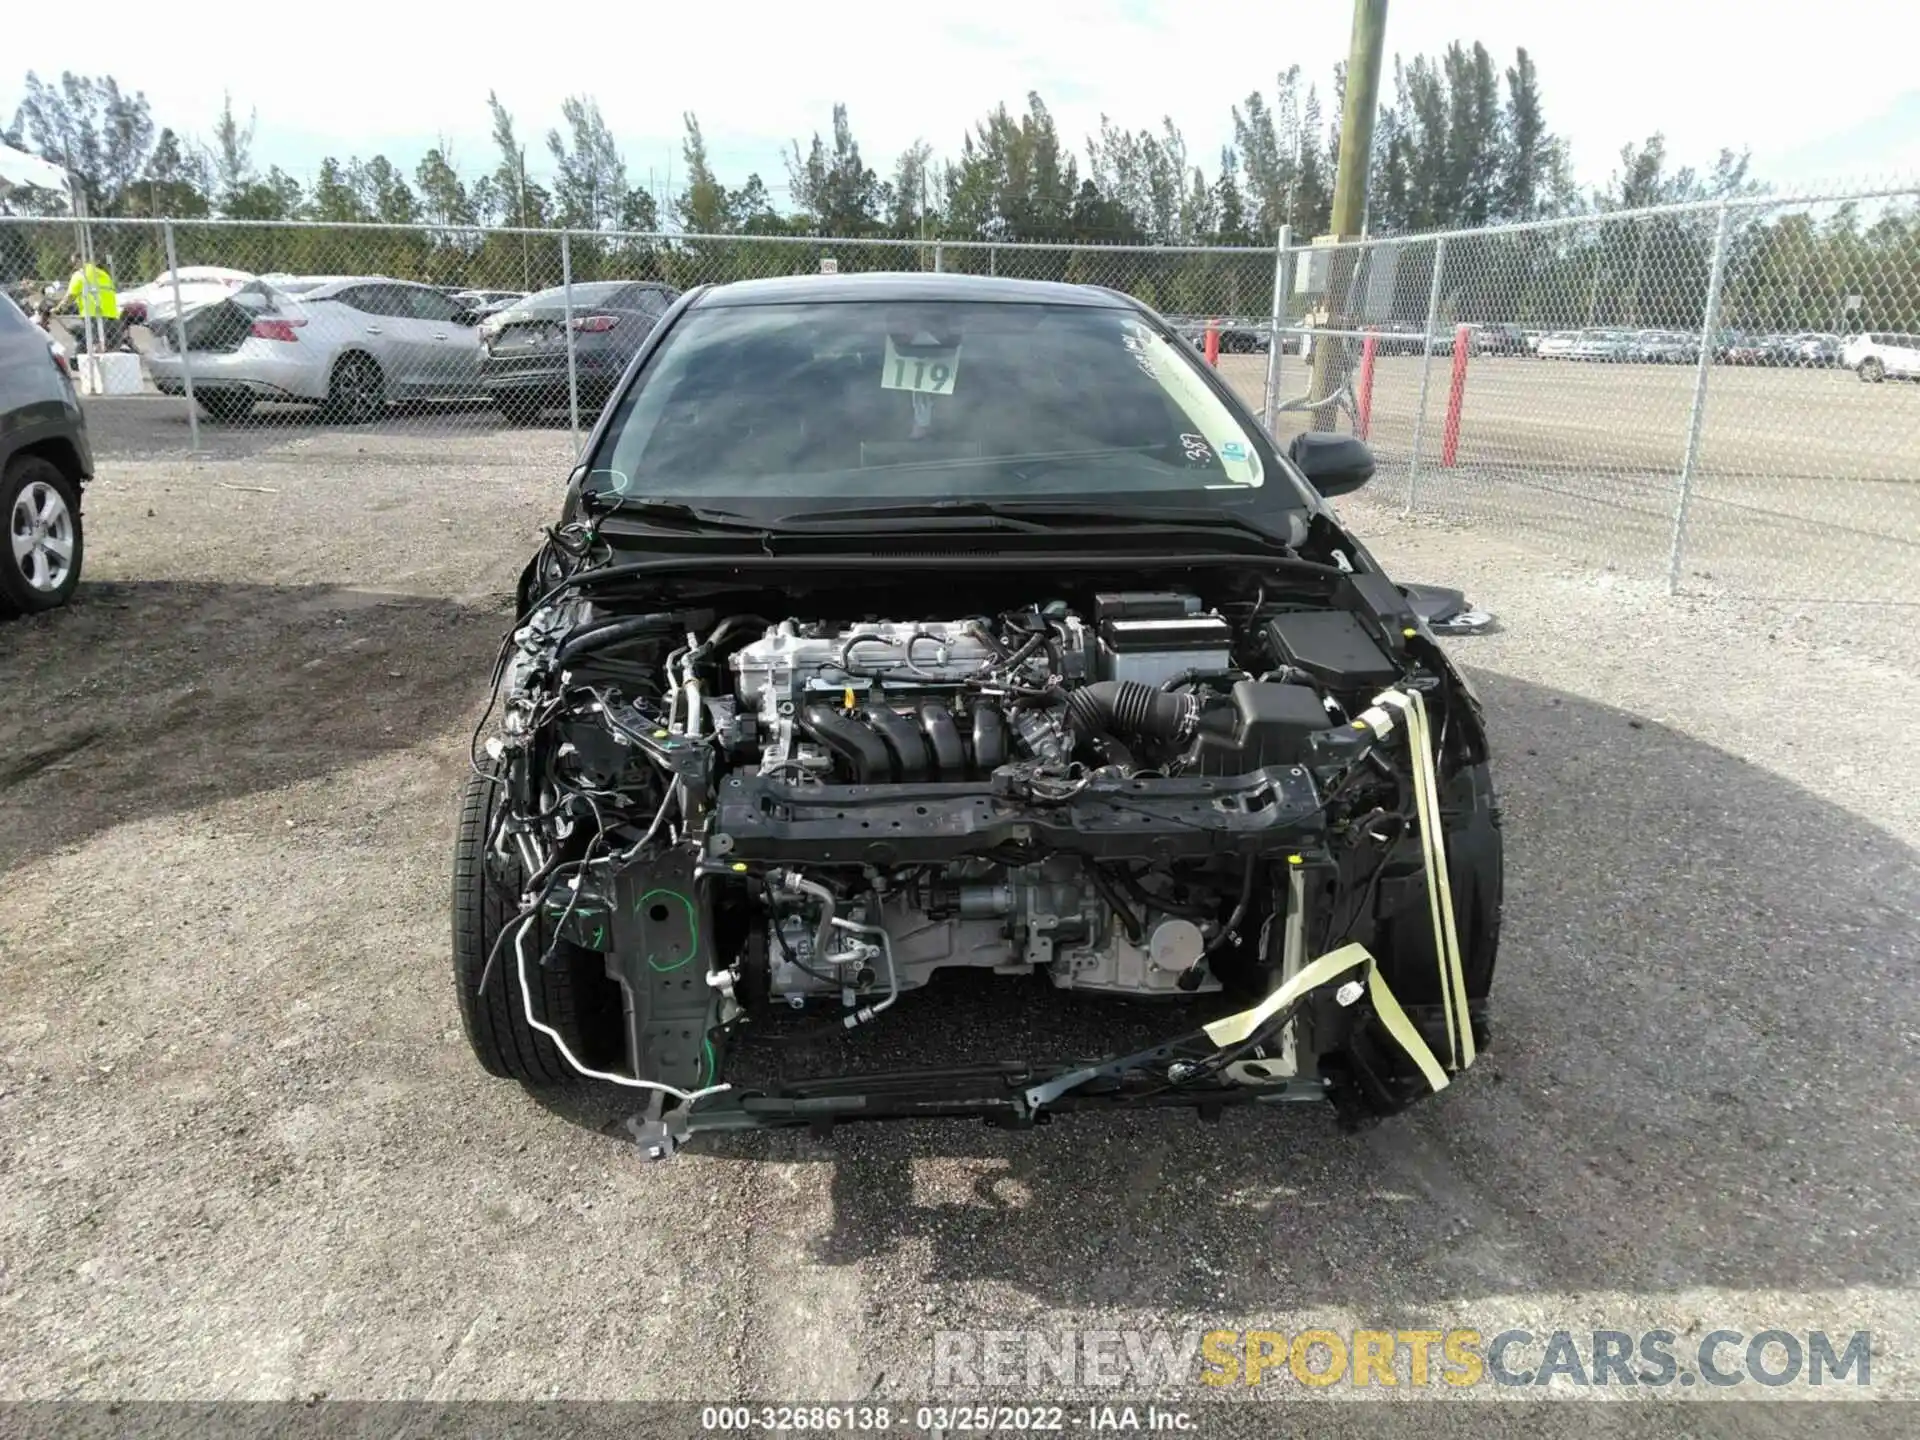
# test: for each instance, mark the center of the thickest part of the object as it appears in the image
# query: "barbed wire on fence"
(1706, 393)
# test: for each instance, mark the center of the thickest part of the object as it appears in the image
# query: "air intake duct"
(1129, 710)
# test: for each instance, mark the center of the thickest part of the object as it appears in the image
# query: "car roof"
(906, 286)
(332, 285)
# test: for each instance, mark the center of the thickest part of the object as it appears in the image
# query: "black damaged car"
(525, 345)
(939, 696)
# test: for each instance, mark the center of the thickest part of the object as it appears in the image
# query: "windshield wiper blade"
(639, 508)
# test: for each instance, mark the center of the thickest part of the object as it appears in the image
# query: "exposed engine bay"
(725, 817)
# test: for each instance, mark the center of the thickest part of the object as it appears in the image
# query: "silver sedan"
(351, 345)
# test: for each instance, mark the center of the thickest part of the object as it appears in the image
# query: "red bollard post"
(1213, 343)
(1450, 437)
(1363, 394)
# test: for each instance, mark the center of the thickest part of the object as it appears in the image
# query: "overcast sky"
(1829, 94)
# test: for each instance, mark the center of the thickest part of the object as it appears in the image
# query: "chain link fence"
(1719, 394)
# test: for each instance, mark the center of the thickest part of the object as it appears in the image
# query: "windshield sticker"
(922, 369)
(1216, 438)
(1136, 339)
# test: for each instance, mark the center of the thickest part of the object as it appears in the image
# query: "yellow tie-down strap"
(1234, 1029)
(1446, 935)
(1379, 719)
(1433, 843)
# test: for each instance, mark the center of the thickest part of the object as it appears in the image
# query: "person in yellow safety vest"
(91, 293)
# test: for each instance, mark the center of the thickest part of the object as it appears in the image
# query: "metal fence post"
(937, 259)
(180, 344)
(1270, 410)
(573, 374)
(91, 341)
(1709, 323)
(1426, 369)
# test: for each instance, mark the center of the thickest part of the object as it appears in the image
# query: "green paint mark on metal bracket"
(693, 928)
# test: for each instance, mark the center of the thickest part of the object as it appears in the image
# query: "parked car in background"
(1663, 347)
(1608, 346)
(199, 284)
(1499, 340)
(45, 462)
(1751, 350)
(524, 347)
(1236, 338)
(1815, 350)
(1557, 346)
(352, 346)
(1875, 356)
(483, 303)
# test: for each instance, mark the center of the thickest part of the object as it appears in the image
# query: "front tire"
(486, 904)
(40, 567)
(1872, 371)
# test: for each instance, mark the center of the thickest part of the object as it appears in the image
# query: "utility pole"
(1350, 190)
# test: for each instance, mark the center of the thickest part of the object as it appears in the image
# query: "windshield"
(912, 401)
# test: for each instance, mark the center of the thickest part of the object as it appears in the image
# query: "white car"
(1876, 356)
(199, 284)
(1558, 346)
(352, 346)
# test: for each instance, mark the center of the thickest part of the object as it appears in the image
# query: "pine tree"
(836, 192)
(443, 198)
(590, 181)
(1259, 148)
(701, 206)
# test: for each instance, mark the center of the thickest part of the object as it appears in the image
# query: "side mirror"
(1335, 464)
(466, 317)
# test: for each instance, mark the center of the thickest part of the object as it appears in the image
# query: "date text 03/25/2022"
(945, 1419)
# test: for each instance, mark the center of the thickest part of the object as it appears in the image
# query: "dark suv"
(44, 461)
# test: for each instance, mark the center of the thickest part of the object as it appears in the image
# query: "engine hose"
(1116, 902)
(983, 632)
(1014, 661)
(1151, 901)
(780, 939)
(1211, 676)
(843, 657)
(823, 937)
(1127, 708)
(611, 632)
(1229, 930)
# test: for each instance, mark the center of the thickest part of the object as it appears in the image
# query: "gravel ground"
(245, 1153)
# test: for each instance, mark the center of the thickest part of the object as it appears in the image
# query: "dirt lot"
(244, 1152)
